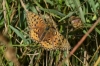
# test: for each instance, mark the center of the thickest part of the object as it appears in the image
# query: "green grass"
(30, 53)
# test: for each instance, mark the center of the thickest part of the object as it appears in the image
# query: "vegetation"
(65, 13)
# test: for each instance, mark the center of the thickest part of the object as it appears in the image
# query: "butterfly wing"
(63, 43)
(36, 25)
(49, 41)
(54, 40)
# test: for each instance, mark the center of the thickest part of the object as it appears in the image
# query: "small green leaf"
(97, 30)
(94, 17)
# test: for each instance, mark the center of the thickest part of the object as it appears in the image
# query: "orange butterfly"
(45, 33)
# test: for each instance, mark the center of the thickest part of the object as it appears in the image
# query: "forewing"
(36, 25)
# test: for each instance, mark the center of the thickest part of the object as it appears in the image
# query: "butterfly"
(45, 33)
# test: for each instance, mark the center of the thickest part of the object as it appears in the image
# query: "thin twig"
(23, 5)
(4, 12)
